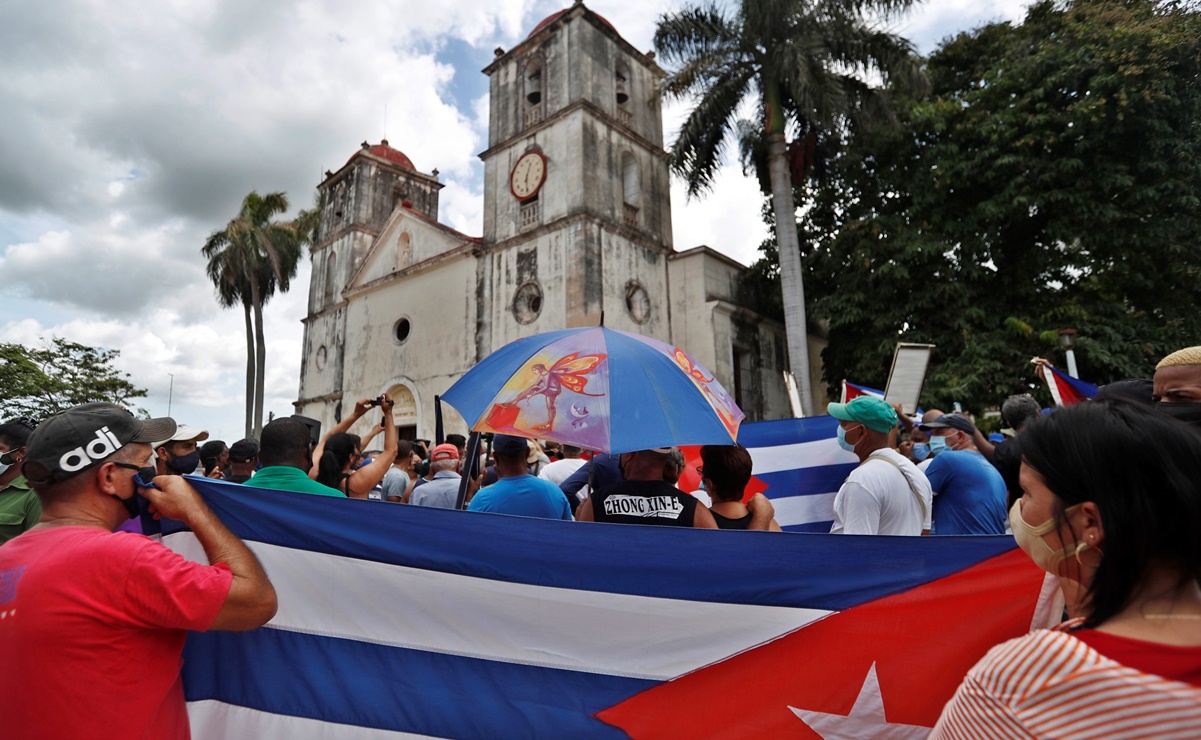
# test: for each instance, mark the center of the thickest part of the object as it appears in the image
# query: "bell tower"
(577, 210)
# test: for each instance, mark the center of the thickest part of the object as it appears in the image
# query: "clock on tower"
(528, 175)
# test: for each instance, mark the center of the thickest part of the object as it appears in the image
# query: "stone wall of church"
(573, 273)
(439, 306)
(321, 365)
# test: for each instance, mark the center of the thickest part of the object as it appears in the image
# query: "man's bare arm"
(762, 514)
(251, 601)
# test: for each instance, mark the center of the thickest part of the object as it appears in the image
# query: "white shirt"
(561, 470)
(877, 498)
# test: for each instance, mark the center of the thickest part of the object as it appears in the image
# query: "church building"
(577, 222)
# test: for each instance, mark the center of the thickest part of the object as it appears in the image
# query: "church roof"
(382, 150)
(556, 16)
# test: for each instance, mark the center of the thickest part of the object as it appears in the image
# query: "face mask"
(938, 445)
(1030, 539)
(141, 479)
(842, 440)
(184, 464)
(130, 504)
(921, 451)
(1189, 413)
(8, 459)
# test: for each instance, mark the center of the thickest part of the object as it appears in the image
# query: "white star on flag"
(866, 719)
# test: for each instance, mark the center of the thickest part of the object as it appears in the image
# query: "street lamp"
(1067, 341)
(171, 392)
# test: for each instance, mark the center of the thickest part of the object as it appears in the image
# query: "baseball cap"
(244, 450)
(74, 440)
(507, 444)
(445, 451)
(952, 421)
(873, 413)
(183, 433)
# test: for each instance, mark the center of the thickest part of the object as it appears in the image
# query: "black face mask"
(1189, 413)
(142, 479)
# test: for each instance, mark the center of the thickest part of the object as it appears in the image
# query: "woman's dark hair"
(338, 450)
(729, 468)
(1142, 469)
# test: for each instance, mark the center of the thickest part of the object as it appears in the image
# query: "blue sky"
(133, 130)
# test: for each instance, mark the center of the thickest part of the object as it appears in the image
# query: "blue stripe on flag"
(367, 685)
(810, 527)
(834, 572)
(787, 431)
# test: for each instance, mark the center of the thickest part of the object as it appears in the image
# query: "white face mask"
(1030, 539)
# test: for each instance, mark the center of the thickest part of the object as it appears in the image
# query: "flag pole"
(439, 436)
(473, 453)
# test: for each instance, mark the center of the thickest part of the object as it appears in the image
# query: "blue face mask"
(921, 451)
(938, 445)
(842, 440)
(184, 464)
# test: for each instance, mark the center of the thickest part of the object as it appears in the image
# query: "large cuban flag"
(410, 622)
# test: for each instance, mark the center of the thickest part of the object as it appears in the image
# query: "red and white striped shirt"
(1050, 684)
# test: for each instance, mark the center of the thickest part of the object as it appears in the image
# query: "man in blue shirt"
(969, 493)
(517, 492)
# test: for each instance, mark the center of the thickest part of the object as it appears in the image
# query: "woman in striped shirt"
(1111, 500)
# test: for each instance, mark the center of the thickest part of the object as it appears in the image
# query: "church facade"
(577, 223)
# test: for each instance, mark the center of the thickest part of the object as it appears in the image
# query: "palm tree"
(248, 261)
(804, 63)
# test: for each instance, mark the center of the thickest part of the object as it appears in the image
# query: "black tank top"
(643, 502)
(725, 522)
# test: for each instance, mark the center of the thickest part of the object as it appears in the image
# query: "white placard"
(909, 363)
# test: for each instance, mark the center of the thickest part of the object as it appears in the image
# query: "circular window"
(527, 303)
(321, 355)
(638, 302)
(401, 330)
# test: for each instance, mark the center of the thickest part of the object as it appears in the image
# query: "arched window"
(404, 255)
(532, 84)
(621, 89)
(331, 277)
(631, 188)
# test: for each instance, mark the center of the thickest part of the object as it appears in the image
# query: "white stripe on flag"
(494, 620)
(792, 510)
(216, 720)
(804, 454)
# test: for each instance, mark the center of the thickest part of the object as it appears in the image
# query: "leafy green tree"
(804, 64)
(248, 260)
(1051, 180)
(39, 382)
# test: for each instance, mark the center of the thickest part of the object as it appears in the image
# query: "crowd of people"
(1104, 495)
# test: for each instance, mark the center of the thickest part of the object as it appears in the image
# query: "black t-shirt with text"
(643, 502)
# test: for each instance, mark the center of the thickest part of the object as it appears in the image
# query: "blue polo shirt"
(522, 495)
(969, 494)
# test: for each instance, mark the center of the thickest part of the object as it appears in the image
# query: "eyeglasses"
(143, 475)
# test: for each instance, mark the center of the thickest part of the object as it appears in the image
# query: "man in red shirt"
(92, 621)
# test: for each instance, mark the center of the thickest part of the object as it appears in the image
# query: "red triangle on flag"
(922, 641)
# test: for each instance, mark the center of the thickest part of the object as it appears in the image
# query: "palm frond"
(700, 144)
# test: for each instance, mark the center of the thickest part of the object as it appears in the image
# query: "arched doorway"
(404, 410)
